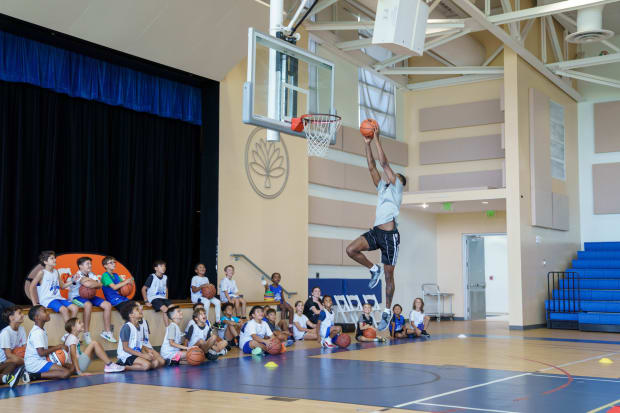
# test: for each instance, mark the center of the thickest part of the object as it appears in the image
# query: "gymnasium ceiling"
(204, 37)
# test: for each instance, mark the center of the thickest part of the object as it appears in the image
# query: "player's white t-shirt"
(36, 339)
(74, 289)
(156, 287)
(302, 320)
(130, 334)
(49, 288)
(327, 320)
(69, 340)
(10, 339)
(173, 332)
(197, 281)
(416, 317)
(229, 286)
(195, 333)
(252, 327)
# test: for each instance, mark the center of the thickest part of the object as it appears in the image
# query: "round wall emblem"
(266, 164)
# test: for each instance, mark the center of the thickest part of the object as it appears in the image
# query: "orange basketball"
(368, 127)
(58, 357)
(126, 290)
(370, 333)
(208, 291)
(343, 340)
(195, 356)
(87, 292)
(20, 351)
(274, 346)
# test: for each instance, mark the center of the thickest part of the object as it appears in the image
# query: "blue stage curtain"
(28, 61)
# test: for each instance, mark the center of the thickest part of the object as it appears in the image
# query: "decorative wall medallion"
(266, 164)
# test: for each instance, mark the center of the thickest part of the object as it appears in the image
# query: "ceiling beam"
(322, 5)
(586, 77)
(557, 50)
(432, 24)
(546, 10)
(354, 44)
(585, 62)
(445, 70)
(515, 45)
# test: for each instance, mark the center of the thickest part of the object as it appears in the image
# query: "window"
(558, 157)
(377, 97)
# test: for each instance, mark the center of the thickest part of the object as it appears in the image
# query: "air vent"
(589, 26)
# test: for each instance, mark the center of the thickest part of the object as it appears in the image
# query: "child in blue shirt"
(286, 310)
(397, 324)
(233, 325)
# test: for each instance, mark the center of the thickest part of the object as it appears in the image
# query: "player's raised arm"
(389, 173)
(372, 167)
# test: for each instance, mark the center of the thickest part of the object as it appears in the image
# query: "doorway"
(485, 269)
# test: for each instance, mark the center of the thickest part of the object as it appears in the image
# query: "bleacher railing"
(262, 274)
(563, 292)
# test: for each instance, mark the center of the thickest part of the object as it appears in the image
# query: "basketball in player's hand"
(370, 333)
(195, 356)
(368, 128)
(208, 291)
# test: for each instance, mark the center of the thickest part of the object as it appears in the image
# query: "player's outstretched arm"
(372, 167)
(389, 173)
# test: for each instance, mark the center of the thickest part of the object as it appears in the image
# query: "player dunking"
(384, 235)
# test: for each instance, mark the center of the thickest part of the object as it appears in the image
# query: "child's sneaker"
(15, 377)
(381, 339)
(327, 343)
(107, 335)
(212, 355)
(113, 368)
(425, 334)
(87, 338)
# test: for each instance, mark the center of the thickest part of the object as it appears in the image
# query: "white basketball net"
(319, 130)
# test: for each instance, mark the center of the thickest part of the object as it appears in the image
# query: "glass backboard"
(284, 82)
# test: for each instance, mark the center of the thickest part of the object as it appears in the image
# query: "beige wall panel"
(560, 212)
(472, 148)
(358, 179)
(325, 251)
(607, 127)
(606, 188)
(396, 151)
(475, 179)
(339, 213)
(373, 256)
(325, 172)
(540, 159)
(460, 115)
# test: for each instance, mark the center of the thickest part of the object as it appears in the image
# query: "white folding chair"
(356, 306)
(376, 309)
(342, 308)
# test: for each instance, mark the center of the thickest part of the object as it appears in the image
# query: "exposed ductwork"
(589, 26)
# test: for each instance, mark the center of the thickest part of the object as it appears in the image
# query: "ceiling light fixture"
(424, 205)
(485, 202)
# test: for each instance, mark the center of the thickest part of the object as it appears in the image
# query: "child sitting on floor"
(12, 338)
(232, 325)
(417, 320)
(301, 324)
(129, 350)
(37, 349)
(397, 324)
(81, 360)
(366, 322)
(198, 333)
(283, 336)
(172, 349)
(255, 333)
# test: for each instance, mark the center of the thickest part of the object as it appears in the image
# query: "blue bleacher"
(589, 298)
(344, 286)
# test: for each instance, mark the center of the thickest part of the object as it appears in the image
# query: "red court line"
(563, 386)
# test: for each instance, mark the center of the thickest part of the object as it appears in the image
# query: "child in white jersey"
(46, 286)
(255, 333)
(198, 333)
(129, 349)
(418, 322)
(37, 349)
(198, 281)
(173, 349)
(12, 337)
(301, 324)
(327, 329)
(229, 293)
(155, 290)
(85, 277)
(144, 332)
(81, 360)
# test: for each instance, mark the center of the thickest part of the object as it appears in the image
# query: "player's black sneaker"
(425, 334)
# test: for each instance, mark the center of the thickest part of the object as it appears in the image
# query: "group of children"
(30, 358)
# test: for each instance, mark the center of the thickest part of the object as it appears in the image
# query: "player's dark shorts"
(386, 241)
(159, 302)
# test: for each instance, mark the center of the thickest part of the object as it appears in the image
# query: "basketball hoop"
(320, 129)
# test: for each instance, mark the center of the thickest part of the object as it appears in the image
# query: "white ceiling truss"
(442, 31)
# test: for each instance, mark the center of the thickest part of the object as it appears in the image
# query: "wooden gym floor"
(493, 369)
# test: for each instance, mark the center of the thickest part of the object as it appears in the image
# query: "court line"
(467, 408)
(419, 401)
(598, 409)
(557, 376)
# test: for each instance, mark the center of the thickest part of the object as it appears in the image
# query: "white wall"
(594, 227)
(496, 266)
